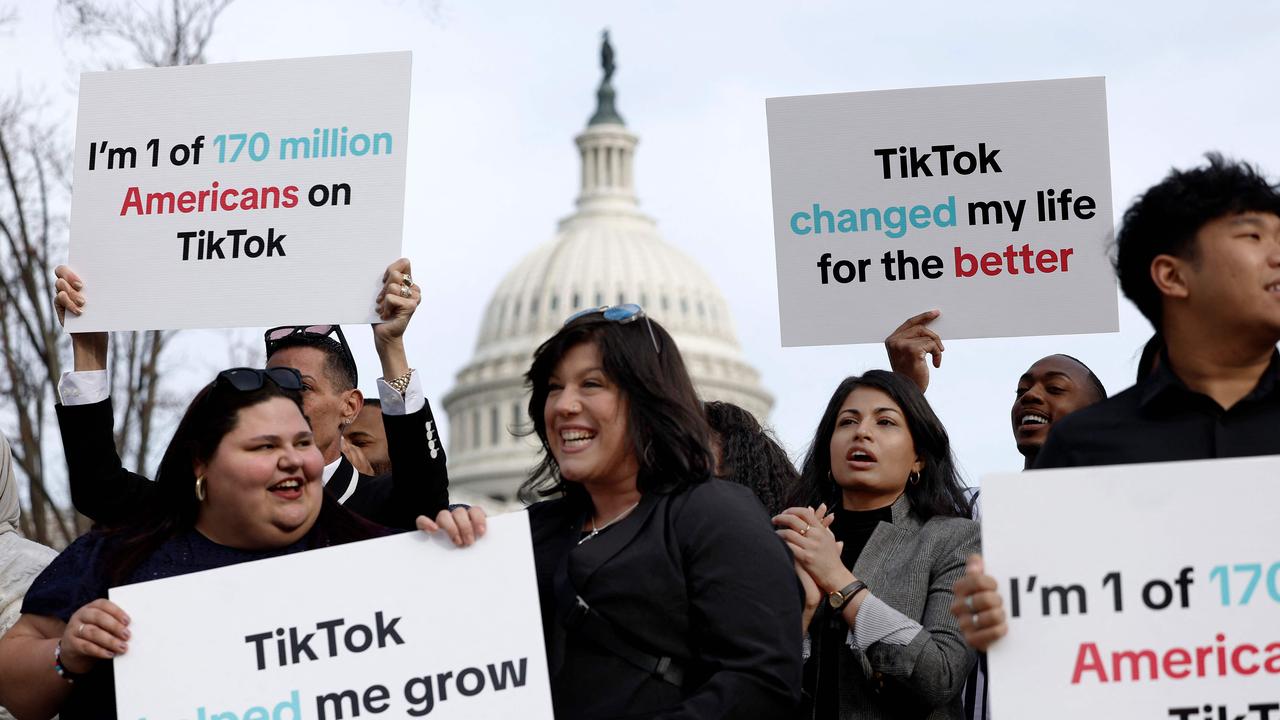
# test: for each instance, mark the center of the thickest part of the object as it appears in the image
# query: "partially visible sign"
(407, 624)
(991, 203)
(1143, 592)
(239, 195)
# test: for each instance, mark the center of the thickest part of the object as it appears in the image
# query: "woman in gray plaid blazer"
(880, 641)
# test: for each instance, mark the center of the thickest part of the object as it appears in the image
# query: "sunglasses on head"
(277, 335)
(249, 379)
(621, 314)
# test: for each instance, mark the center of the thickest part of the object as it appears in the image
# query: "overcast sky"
(500, 89)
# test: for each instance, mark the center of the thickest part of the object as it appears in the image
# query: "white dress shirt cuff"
(411, 402)
(84, 388)
(877, 622)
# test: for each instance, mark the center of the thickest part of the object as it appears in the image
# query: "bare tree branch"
(34, 225)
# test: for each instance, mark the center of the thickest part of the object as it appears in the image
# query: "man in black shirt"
(1199, 254)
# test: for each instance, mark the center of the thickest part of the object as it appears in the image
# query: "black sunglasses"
(249, 379)
(276, 335)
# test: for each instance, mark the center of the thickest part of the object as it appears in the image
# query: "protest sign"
(991, 203)
(237, 195)
(406, 625)
(1137, 591)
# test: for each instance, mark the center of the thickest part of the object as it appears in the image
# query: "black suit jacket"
(698, 576)
(105, 492)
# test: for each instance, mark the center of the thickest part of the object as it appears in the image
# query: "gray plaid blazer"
(911, 566)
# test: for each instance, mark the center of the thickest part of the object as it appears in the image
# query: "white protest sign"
(239, 195)
(406, 624)
(1143, 592)
(991, 203)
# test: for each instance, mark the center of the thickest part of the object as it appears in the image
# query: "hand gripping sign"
(1144, 592)
(406, 625)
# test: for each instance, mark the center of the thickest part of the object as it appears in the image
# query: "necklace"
(596, 530)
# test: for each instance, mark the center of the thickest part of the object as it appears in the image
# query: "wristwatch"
(838, 599)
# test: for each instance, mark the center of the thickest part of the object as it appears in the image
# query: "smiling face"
(328, 407)
(586, 421)
(263, 482)
(1232, 280)
(1048, 391)
(872, 451)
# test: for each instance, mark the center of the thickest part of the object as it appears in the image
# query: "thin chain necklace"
(596, 530)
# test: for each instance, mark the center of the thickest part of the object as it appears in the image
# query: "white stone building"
(607, 252)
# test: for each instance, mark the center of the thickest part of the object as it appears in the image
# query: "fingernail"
(122, 647)
(78, 285)
(127, 634)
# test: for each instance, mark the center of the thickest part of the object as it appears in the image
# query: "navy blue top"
(78, 576)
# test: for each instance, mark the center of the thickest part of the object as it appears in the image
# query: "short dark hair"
(1166, 218)
(1098, 387)
(173, 507)
(938, 492)
(750, 456)
(337, 361)
(669, 433)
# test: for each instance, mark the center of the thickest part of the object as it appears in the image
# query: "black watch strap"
(841, 597)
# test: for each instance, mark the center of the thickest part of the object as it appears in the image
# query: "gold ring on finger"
(80, 630)
(805, 531)
(405, 292)
(974, 620)
(408, 281)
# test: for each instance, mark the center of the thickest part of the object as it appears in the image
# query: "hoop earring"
(200, 488)
(914, 478)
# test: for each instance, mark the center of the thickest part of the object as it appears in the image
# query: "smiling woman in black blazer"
(664, 594)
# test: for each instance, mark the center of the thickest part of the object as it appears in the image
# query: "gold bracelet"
(400, 384)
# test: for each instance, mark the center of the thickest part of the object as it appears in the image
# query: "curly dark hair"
(938, 492)
(750, 456)
(668, 431)
(1167, 217)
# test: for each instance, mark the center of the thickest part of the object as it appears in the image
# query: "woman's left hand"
(463, 525)
(806, 531)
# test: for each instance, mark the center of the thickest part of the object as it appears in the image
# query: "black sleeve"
(101, 488)
(419, 478)
(745, 605)
(1057, 449)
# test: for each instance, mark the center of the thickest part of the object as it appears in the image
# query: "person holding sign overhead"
(240, 481)
(878, 570)
(1052, 388)
(663, 592)
(418, 481)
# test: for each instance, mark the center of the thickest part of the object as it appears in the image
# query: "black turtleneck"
(854, 529)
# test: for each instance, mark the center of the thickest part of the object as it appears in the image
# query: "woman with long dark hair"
(878, 569)
(663, 592)
(239, 481)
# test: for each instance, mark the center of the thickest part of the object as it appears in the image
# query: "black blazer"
(698, 576)
(105, 492)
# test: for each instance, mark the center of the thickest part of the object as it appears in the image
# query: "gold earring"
(914, 478)
(200, 488)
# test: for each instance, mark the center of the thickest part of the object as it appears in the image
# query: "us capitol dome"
(607, 252)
